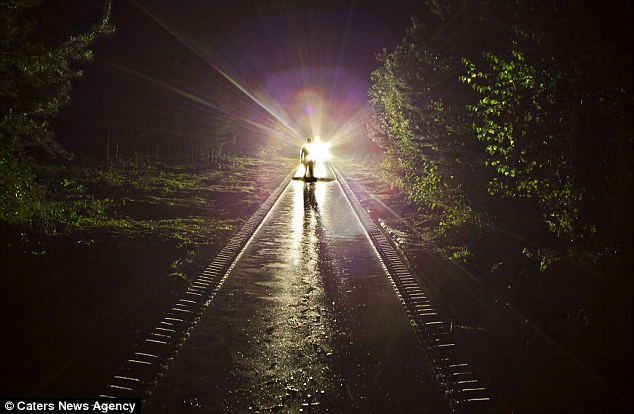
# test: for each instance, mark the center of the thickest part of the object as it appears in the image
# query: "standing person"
(307, 158)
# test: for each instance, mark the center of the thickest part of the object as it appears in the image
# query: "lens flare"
(288, 78)
(321, 150)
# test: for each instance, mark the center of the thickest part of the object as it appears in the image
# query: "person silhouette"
(308, 159)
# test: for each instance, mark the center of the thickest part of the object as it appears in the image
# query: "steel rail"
(461, 385)
(139, 374)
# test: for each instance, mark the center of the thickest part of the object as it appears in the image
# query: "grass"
(109, 250)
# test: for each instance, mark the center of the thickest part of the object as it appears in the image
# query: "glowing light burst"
(311, 99)
(321, 150)
(333, 111)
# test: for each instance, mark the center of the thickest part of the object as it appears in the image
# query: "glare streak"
(217, 68)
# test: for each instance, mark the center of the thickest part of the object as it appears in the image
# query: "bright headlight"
(321, 150)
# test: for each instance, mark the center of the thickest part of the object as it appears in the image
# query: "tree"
(35, 82)
(417, 106)
(491, 111)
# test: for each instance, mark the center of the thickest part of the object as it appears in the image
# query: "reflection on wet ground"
(307, 321)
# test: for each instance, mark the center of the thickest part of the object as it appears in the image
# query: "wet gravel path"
(306, 322)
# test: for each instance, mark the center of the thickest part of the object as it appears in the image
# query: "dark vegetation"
(488, 113)
(507, 142)
(94, 247)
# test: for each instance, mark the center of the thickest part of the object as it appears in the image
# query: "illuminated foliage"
(423, 129)
(490, 112)
(513, 117)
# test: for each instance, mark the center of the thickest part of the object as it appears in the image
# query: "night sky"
(282, 59)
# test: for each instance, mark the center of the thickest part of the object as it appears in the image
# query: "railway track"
(460, 382)
(144, 368)
(139, 374)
